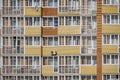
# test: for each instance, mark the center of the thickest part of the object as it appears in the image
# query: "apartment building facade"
(60, 40)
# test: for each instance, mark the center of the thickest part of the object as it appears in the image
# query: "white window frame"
(111, 41)
(110, 59)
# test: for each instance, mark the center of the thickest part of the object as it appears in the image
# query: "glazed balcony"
(88, 29)
(21, 70)
(88, 10)
(12, 30)
(88, 50)
(7, 11)
(69, 10)
(13, 50)
(69, 69)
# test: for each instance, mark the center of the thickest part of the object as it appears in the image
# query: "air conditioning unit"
(53, 53)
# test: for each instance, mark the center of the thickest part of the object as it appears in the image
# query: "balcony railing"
(12, 10)
(12, 30)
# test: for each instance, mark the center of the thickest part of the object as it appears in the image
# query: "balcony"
(62, 50)
(32, 30)
(87, 50)
(7, 11)
(69, 69)
(110, 69)
(88, 29)
(32, 50)
(88, 70)
(13, 50)
(32, 11)
(49, 12)
(48, 70)
(21, 70)
(69, 10)
(88, 11)
(49, 31)
(12, 30)
(68, 30)
(111, 29)
(110, 49)
(110, 9)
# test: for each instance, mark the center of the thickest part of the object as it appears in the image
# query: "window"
(114, 59)
(85, 77)
(50, 78)
(50, 22)
(110, 2)
(13, 22)
(114, 39)
(34, 3)
(110, 19)
(55, 64)
(68, 64)
(110, 59)
(88, 60)
(106, 59)
(69, 40)
(50, 61)
(76, 40)
(106, 19)
(110, 39)
(50, 41)
(15, 4)
(32, 21)
(114, 19)
(110, 77)
(32, 40)
(91, 41)
(13, 60)
(73, 4)
(69, 20)
(50, 3)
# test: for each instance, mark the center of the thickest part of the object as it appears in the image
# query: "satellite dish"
(53, 53)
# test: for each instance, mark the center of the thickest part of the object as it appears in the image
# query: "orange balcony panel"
(49, 12)
(49, 31)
